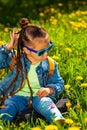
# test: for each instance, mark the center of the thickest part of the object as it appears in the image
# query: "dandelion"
(60, 4)
(78, 12)
(86, 120)
(41, 14)
(1, 42)
(68, 50)
(69, 121)
(54, 22)
(84, 12)
(52, 10)
(72, 15)
(61, 44)
(6, 29)
(52, 17)
(72, 23)
(68, 104)
(55, 57)
(86, 53)
(79, 78)
(51, 127)
(74, 128)
(35, 128)
(84, 85)
(67, 87)
(78, 105)
(59, 15)
(75, 28)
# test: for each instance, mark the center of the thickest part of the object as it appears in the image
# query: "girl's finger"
(12, 34)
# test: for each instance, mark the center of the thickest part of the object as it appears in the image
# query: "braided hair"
(27, 34)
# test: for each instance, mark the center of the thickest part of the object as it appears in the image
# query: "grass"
(68, 31)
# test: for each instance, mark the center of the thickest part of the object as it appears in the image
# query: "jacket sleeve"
(5, 57)
(56, 81)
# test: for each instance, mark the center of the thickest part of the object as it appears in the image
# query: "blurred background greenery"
(12, 11)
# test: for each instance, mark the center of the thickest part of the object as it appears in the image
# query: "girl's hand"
(13, 40)
(43, 92)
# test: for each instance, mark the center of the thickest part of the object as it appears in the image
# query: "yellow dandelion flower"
(55, 57)
(52, 17)
(86, 120)
(60, 4)
(67, 86)
(54, 22)
(68, 104)
(61, 44)
(78, 105)
(6, 29)
(78, 12)
(79, 78)
(72, 15)
(68, 50)
(51, 127)
(1, 42)
(69, 121)
(84, 12)
(84, 85)
(86, 53)
(35, 128)
(74, 128)
(84, 25)
(63, 20)
(41, 14)
(59, 15)
(75, 28)
(52, 10)
(72, 23)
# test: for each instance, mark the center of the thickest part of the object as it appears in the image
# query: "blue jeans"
(45, 106)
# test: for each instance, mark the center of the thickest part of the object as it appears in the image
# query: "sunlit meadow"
(68, 31)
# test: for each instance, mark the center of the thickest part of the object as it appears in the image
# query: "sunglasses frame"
(40, 52)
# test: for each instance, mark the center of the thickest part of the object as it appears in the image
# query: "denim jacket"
(55, 81)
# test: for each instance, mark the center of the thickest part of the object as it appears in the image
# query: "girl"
(28, 82)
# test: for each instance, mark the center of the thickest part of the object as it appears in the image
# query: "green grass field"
(68, 31)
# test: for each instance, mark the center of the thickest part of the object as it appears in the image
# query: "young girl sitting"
(28, 83)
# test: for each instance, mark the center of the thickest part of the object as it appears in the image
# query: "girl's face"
(38, 50)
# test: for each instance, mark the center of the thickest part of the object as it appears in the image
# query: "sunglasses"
(41, 52)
